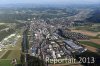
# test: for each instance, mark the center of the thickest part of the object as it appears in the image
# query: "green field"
(5, 63)
(2, 52)
(11, 54)
(6, 55)
(90, 44)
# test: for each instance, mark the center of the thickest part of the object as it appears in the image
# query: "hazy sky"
(50, 1)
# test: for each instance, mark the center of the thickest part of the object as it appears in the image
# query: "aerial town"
(49, 35)
(46, 41)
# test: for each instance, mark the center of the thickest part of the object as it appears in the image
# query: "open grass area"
(13, 52)
(6, 54)
(2, 52)
(90, 44)
(5, 63)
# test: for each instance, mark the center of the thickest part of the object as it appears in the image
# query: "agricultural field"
(97, 41)
(90, 48)
(92, 28)
(93, 32)
(90, 44)
(85, 32)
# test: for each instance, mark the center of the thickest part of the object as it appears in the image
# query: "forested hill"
(95, 17)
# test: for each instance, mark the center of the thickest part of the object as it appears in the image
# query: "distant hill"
(95, 17)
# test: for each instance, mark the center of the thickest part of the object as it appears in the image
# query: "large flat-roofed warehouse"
(75, 47)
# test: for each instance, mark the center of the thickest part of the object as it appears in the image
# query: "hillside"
(95, 17)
